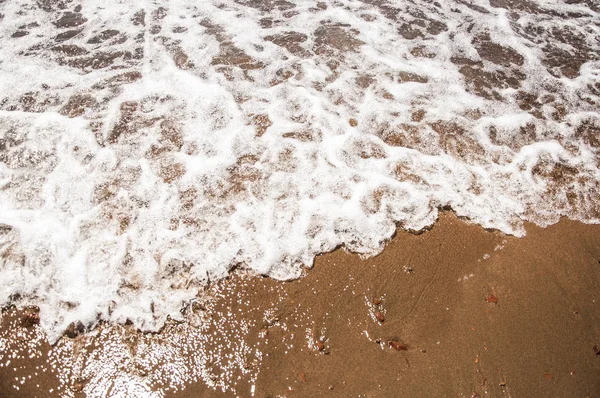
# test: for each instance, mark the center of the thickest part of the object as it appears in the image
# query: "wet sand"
(454, 311)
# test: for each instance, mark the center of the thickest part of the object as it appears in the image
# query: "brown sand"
(468, 312)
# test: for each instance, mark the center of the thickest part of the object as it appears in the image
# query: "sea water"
(149, 147)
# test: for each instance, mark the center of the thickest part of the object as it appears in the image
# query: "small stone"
(377, 301)
(380, 317)
(353, 122)
(78, 387)
(320, 346)
(74, 329)
(30, 319)
(398, 346)
(71, 332)
(303, 377)
(596, 350)
(491, 299)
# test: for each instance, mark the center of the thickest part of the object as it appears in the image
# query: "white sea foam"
(147, 148)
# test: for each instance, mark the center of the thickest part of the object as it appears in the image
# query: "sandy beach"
(454, 311)
(278, 198)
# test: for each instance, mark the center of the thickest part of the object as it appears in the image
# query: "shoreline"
(455, 310)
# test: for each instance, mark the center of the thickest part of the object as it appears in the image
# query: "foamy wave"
(146, 150)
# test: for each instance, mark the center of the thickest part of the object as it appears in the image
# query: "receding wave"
(145, 150)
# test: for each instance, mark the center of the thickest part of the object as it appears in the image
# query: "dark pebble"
(74, 330)
(320, 346)
(398, 346)
(30, 319)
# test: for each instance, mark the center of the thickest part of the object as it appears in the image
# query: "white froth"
(145, 150)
